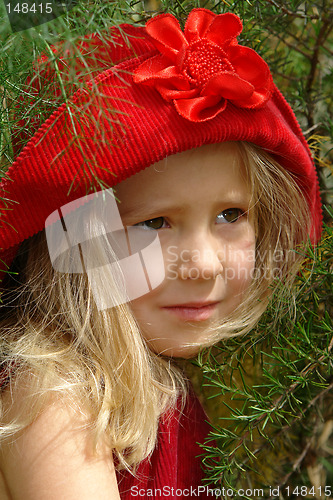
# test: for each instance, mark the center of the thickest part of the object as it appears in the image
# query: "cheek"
(239, 262)
(139, 307)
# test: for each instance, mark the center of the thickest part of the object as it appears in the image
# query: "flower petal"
(157, 67)
(168, 37)
(200, 109)
(257, 100)
(197, 24)
(250, 66)
(229, 86)
(224, 29)
(169, 91)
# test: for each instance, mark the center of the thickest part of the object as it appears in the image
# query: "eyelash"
(239, 213)
(152, 220)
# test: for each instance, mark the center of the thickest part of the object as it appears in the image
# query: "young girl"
(214, 189)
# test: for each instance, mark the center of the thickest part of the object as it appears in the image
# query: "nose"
(200, 257)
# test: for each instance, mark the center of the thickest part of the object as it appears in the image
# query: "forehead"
(212, 171)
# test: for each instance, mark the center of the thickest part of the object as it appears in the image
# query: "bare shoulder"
(53, 458)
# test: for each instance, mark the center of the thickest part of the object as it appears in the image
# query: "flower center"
(203, 60)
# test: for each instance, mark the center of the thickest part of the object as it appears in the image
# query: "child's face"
(198, 201)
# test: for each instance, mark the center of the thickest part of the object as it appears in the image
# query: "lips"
(193, 311)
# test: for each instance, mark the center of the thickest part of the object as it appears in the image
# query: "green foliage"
(278, 427)
(18, 55)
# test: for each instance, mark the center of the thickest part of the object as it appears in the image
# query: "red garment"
(174, 469)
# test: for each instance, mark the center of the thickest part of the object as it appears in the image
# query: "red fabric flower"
(204, 67)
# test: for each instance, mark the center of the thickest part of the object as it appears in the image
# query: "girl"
(214, 189)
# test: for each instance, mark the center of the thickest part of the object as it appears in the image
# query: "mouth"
(193, 311)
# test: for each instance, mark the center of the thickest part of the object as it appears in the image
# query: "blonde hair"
(52, 329)
(282, 225)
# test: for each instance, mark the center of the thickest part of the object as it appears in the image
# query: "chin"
(184, 352)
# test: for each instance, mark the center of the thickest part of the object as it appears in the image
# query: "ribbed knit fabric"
(174, 469)
(121, 128)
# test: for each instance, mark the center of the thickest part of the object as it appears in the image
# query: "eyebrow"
(144, 211)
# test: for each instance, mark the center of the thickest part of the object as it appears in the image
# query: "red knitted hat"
(158, 92)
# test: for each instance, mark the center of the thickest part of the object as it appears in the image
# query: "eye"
(229, 216)
(157, 223)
